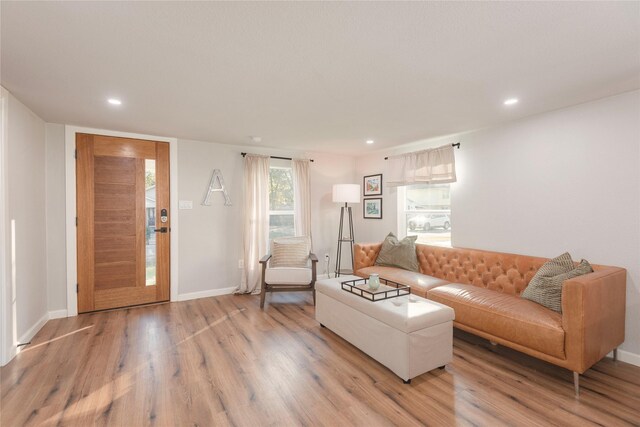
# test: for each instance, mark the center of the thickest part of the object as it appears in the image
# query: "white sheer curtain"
(432, 166)
(302, 197)
(256, 220)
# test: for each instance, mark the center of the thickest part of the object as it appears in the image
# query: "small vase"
(374, 282)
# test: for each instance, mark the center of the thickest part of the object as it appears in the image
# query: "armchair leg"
(263, 292)
(615, 354)
(263, 282)
(314, 297)
(576, 383)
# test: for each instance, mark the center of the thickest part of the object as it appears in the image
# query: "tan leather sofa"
(484, 290)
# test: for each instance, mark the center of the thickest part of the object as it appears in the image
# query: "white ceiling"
(313, 76)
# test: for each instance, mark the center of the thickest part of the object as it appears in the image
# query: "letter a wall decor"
(213, 187)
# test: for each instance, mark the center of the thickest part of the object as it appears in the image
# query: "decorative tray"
(388, 289)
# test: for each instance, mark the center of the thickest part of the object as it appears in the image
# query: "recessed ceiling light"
(369, 141)
(256, 139)
(114, 101)
(511, 101)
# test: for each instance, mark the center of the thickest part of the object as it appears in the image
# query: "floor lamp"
(345, 193)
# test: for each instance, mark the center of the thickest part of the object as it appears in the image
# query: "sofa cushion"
(398, 253)
(547, 290)
(506, 316)
(420, 283)
(287, 276)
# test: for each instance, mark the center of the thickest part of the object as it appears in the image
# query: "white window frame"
(402, 217)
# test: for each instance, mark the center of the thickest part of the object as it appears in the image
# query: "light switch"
(185, 204)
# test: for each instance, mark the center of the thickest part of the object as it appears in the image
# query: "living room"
(536, 105)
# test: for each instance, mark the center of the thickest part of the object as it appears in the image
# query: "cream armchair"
(290, 266)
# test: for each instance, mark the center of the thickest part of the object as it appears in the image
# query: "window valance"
(432, 166)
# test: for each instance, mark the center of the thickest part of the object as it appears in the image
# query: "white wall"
(55, 197)
(26, 208)
(374, 230)
(327, 170)
(209, 243)
(210, 240)
(567, 180)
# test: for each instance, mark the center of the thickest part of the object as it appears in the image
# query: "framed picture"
(373, 185)
(372, 208)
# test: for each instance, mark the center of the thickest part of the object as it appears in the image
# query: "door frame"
(7, 321)
(71, 198)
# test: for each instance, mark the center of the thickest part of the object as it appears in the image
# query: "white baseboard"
(206, 294)
(627, 357)
(26, 337)
(57, 314)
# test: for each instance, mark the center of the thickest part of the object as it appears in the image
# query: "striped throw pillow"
(290, 252)
(553, 267)
(546, 288)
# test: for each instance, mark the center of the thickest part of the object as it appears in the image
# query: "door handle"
(160, 230)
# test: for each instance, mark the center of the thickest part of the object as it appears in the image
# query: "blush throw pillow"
(398, 253)
(545, 288)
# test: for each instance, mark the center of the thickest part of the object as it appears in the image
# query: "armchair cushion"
(290, 252)
(288, 276)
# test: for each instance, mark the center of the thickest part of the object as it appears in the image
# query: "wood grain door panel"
(113, 225)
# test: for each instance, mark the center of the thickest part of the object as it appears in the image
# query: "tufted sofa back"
(497, 271)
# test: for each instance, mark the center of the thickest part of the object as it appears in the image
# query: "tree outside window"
(281, 213)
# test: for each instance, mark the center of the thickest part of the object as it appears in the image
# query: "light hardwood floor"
(223, 361)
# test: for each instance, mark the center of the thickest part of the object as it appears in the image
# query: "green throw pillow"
(401, 254)
(546, 288)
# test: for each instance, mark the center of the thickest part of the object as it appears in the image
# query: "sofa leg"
(576, 383)
(615, 354)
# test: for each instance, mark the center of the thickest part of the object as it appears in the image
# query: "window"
(426, 213)
(281, 215)
(150, 205)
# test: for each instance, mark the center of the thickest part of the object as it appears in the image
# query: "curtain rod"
(457, 145)
(277, 157)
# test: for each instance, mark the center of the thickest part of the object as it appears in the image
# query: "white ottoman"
(409, 335)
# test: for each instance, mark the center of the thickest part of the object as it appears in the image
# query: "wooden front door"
(123, 221)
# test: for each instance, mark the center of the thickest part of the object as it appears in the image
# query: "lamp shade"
(346, 193)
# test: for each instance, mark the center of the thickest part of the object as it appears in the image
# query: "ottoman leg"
(442, 367)
(407, 381)
(322, 326)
